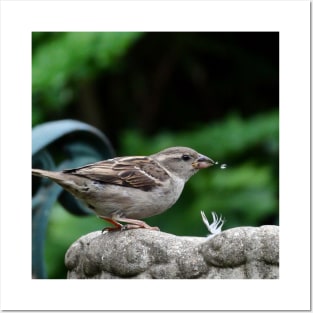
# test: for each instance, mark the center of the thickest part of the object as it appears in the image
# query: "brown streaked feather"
(136, 172)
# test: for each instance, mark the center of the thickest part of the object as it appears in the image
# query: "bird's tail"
(44, 173)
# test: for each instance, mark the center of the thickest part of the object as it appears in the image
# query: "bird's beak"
(202, 162)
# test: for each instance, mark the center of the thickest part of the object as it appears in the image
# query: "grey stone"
(243, 252)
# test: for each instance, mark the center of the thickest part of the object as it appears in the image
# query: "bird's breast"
(136, 203)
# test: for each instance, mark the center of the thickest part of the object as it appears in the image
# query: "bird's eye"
(185, 157)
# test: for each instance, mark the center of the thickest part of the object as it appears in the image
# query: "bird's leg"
(132, 224)
(117, 225)
(135, 224)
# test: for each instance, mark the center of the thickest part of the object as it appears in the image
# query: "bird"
(131, 188)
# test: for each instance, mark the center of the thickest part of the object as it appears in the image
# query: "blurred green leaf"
(71, 57)
(59, 60)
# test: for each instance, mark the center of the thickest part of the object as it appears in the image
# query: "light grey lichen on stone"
(243, 252)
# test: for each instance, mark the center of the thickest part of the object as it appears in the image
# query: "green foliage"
(62, 58)
(231, 136)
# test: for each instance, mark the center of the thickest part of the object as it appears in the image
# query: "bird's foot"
(117, 225)
(135, 226)
(132, 224)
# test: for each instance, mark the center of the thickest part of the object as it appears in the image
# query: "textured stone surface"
(243, 252)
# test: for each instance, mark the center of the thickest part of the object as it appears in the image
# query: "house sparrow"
(126, 189)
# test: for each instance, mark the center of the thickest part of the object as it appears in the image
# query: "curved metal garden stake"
(55, 146)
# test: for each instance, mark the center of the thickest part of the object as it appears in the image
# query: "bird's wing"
(136, 172)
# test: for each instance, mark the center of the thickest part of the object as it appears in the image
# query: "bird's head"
(182, 161)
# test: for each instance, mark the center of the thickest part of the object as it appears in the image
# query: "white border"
(19, 19)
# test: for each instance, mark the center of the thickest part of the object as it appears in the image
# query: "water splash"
(222, 166)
